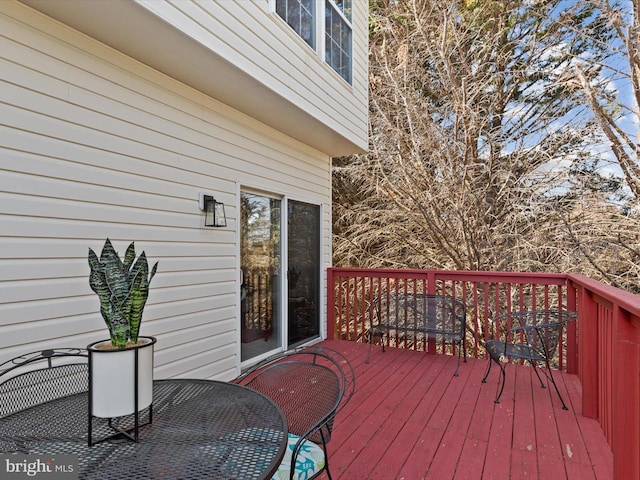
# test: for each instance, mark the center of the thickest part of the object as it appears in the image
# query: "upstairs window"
(303, 17)
(337, 27)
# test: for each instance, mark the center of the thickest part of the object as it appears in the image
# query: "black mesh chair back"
(311, 386)
(531, 336)
(39, 377)
(439, 314)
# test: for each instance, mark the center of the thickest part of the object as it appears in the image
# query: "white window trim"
(322, 43)
(320, 50)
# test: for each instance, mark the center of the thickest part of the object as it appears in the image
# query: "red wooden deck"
(411, 419)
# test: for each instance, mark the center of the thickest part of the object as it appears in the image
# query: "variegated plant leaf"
(123, 289)
(129, 257)
(98, 284)
(119, 327)
(138, 298)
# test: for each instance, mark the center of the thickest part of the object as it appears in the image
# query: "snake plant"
(123, 288)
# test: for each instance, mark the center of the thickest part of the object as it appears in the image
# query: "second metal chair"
(532, 336)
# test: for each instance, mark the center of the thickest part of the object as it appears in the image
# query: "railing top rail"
(627, 301)
(468, 275)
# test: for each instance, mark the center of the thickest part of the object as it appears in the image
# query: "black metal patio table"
(199, 429)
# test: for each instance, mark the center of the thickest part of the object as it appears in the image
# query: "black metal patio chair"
(310, 385)
(39, 377)
(532, 336)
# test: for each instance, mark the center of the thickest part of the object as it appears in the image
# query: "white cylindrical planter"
(112, 378)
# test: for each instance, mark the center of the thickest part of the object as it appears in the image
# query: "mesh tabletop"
(200, 429)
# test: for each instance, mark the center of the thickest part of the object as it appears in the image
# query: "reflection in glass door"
(303, 271)
(260, 254)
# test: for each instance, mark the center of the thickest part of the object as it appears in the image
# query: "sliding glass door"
(260, 258)
(265, 299)
(303, 272)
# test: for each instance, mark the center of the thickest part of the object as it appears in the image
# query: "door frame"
(284, 265)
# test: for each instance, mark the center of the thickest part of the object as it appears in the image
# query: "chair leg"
(564, 407)
(326, 468)
(370, 344)
(326, 456)
(553, 382)
(535, 369)
(371, 334)
(464, 349)
(326, 465)
(484, 379)
(504, 379)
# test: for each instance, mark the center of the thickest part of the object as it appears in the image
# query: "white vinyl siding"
(264, 46)
(94, 144)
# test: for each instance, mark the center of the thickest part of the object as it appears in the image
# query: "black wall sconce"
(214, 215)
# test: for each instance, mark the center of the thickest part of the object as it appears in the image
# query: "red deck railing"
(603, 347)
(609, 367)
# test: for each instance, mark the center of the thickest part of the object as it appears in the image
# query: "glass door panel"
(260, 261)
(303, 275)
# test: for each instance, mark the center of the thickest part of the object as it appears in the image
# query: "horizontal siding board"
(46, 290)
(111, 147)
(176, 322)
(173, 126)
(62, 209)
(61, 249)
(12, 293)
(98, 231)
(154, 102)
(41, 165)
(190, 337)
(50, 308)
(46, 268)
(219, 367)
(43, 330)
(64, 196)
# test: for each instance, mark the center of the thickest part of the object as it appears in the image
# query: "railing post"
(626, 396)
(331, 305)
(572, 327)
(431, 282)
(588, 353)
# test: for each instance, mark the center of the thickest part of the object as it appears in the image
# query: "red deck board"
(408, 401)
(575, 451)
(498, 462)
(419, 459)
(598, 449)
(550, 451)
(465, 388)
(524, 464)
(471, 462)
(480, 427)
(411, 419)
